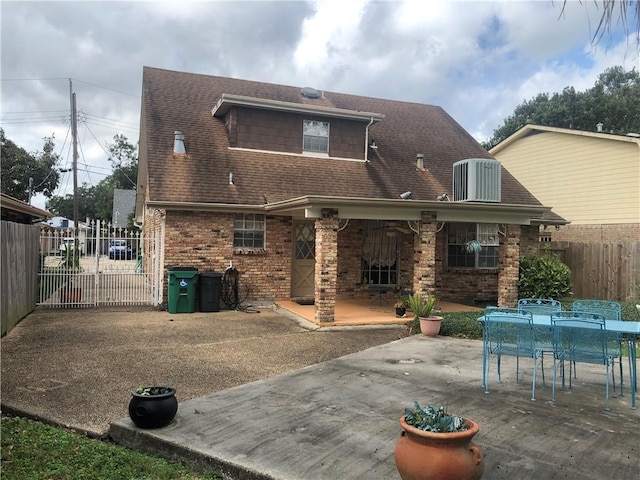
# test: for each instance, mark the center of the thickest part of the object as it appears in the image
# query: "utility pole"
(74, 136)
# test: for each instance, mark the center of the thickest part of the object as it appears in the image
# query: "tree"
(97, 202)
(628, 15)
(18, 166)
(614, 101)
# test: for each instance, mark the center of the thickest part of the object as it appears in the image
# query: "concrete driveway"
(77, 367)
(264, 398)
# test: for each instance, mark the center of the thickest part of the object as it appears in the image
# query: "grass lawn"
(32, 451)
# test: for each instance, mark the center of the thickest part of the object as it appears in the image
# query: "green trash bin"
(182, 290)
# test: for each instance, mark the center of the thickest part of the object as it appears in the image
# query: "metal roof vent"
(178, 144)
(309, 92)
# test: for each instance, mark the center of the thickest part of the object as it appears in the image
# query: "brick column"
(529, 240)
(424, 255)
(326, 274)
(508, 267)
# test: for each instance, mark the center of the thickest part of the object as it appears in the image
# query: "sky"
(476, 59)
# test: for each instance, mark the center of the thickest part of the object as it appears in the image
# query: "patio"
(372, 311)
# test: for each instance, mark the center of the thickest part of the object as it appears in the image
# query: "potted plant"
(401, 305)
(153, 407)
(422, 306)
(70, 294)
(435, 445)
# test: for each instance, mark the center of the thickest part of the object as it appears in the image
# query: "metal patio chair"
(510, 333)
(610, 311)
(544, 340)
(581, 337)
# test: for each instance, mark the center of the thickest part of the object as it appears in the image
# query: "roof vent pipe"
(178, 144)
(420, 161)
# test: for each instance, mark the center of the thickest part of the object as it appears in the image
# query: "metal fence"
(97, 265)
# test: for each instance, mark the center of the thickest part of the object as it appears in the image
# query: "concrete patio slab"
(339, 419)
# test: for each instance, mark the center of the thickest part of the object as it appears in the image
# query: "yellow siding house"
(590, 178)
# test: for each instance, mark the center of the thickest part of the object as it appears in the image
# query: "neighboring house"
(19, 257)
(124, 204)
(60, 231)
(590, 178)
(326, 195)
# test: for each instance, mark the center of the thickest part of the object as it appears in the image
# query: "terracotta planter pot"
(421, 455)
(430, 326)
(70, 295)
(153, 411)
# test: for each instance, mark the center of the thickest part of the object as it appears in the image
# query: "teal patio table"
(630, 332)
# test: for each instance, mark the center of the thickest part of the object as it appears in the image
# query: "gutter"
(366, 140)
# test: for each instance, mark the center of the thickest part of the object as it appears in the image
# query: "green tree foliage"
(544, 277)
(97, 201)
(18, 166)
(614, 101)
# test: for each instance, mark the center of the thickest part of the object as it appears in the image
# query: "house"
(309, 193)
(590, 178)
(61, 231)
(124, 203)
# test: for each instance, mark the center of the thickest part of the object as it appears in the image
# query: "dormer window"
(315, 136)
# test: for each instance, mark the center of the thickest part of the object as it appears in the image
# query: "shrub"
(544, 277)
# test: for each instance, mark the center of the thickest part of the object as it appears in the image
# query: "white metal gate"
(102, 265)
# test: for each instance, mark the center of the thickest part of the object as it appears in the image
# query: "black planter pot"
(401, 312)
(155, 410)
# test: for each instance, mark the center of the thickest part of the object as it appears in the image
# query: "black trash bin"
(210, 289)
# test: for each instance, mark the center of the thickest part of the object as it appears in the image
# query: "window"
(379, 254)
(461, 254)
(315, 136)
(248, 230)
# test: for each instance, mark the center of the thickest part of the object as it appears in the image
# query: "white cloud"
(476, 59)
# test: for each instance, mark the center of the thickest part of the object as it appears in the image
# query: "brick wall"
(350, 262)
(205, 241)
(615, 232)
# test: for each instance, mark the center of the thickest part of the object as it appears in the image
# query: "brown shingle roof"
(183, 101)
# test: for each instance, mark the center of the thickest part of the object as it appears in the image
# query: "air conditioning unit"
(477, 180)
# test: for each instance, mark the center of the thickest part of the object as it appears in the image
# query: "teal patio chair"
(610, 311)
(544, 340)
(581, 337)
(510, 333)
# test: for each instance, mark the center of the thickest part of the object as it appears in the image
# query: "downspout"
(366, 141)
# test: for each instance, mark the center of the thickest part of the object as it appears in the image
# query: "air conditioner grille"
(477, 180)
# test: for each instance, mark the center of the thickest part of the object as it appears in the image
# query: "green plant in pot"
(401, 305)
(422, 307)
(436, 445)
(153, 406)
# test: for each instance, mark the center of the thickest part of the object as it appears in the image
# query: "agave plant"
(421, 306)
(433, 419)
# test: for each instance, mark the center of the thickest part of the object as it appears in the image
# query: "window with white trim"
(472, 245)
(315, 136)
(248, 230)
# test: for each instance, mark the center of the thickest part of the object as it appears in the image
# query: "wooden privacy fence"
(608, 271)
(18, 271)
